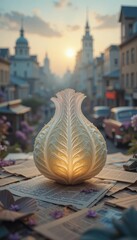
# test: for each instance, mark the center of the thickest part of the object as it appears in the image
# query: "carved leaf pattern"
(69, 149)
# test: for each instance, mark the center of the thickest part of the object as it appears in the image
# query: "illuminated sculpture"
(69, 149)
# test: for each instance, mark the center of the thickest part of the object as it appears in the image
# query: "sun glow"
(70, 53)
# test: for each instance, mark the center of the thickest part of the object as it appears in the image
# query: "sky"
(55, 26)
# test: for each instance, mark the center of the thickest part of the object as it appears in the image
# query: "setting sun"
(70, 52)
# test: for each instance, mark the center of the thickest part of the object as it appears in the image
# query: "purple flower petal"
(57, 214)
(5, 163)
(87, 191)
(91, 214)
(14, 207)
(32, 222)
(14, 236)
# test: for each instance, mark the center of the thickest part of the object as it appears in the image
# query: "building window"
(20, 51)
(107, 83)
(122, 80)
(115, 61)
(15, 73)
(123, 30)
(27, 64)
(2, 76)
(130, 29)
(132, 80)
(127, 80)
(15, 64)
(132, 55)
(123, 59)
(25, 74)
(127, 57)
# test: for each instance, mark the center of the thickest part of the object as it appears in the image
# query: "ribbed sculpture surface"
(69, 149)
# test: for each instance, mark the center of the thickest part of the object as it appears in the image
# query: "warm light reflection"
(70, 52)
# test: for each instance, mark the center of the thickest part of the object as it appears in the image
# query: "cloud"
(106, 21)
(32, 24)
(62, 3)
(73, 28)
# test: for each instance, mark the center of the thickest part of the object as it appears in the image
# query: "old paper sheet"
(124, 202)
(9, 180)
(46, 210)
(4, 174)
(117, 187)
(73, 226)
(118, 175)
(26, 169)
(18, 156)
(133, 187)
(123, 193)
(117, 158)
(79, 196)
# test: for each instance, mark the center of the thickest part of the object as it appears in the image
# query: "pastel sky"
(53, 26)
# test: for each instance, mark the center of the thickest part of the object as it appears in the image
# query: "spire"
(87, 24)
(22, 30)
(46, 55)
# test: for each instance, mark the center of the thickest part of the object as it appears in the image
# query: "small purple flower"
(14, 236)
(24, 124)
(57, 214)
(21, 136)
(4, 118)
(134, 122)
(88, 190)
(5, 163)
(8, 124)
(14, 207)
(32, 222)
(91, 214)
(1, 121)
(1, 148)
(126, 125)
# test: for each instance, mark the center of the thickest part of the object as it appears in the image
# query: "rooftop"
(128, 12)
(14, 107)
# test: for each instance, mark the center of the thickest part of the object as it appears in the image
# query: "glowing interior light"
(69, 149)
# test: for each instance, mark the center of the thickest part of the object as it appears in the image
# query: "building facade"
(113, 93)
(4, 73)
(24, 65)
(128, 54)
(99, 81)
(83, 76)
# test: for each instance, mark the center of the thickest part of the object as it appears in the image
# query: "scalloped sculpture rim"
(69, 149)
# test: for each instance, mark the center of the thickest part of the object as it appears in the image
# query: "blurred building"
(4, 73)
(113, 93)
(24, 65)
(67, 79)
(128, 53)
(99, 80)
(47, 77)
(84, 69)
(21, 87)
(15, 113)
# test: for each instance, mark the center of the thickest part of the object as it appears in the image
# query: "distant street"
(111, 148)
(110, 145)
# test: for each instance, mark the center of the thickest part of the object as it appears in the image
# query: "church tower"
(22, 48)
(87, 46)
(46, 65)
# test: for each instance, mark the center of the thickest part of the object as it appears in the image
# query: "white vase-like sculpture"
(69, 149)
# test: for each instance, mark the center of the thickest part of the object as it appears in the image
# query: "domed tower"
(87, 46)
(22, 48)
